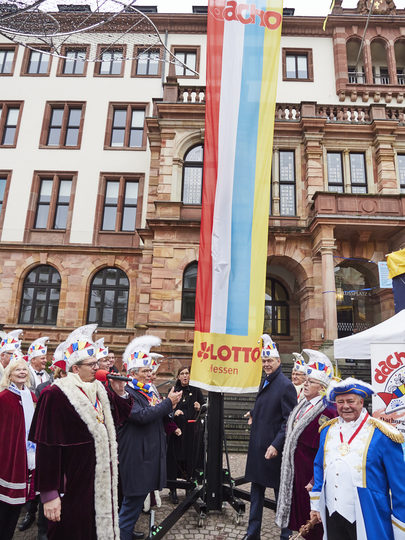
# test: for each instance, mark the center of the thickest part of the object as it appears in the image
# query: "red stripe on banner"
(215, 34)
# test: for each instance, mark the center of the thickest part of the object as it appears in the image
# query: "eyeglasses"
(91, 365)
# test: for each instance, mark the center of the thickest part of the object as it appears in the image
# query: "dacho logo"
(247, 14)
(224, 353)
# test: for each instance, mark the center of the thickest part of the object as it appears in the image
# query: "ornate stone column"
(324, 245)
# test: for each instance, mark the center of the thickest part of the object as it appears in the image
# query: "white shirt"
(343, 473)
(308, 406)
(38, 379)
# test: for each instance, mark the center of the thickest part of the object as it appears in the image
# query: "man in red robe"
(76, 448)
(301, 446)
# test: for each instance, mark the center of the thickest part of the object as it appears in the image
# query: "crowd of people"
(88, 448)
(337, 473)
(68, 425)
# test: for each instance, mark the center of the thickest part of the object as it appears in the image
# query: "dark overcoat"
(273, 405)
(185, 453)
(142, 446)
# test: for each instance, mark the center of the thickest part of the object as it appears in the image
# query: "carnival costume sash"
(146, 390)
(28, 408)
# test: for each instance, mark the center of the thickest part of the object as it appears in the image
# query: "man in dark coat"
(274, 402)
(142, 438)
(301, 446)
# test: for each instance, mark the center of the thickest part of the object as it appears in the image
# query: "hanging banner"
(388, 381)
(243, 49)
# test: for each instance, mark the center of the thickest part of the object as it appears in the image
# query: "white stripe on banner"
(232, 59)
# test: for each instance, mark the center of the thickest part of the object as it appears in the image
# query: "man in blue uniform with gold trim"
(359, 489)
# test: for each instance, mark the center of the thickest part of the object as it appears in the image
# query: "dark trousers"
(256, 512)
(131, 509)
(9, 514)
(339, 528)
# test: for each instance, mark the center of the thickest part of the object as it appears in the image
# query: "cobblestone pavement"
(216, 526)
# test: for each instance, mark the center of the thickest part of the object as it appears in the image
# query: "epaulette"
(388, 430)
(329, 423)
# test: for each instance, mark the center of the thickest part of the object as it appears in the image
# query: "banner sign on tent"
(388, 381)
(243, 49)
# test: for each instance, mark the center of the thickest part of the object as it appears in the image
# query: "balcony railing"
(356, 77)
(381, 79)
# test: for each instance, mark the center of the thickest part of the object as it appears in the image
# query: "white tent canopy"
(357, 346)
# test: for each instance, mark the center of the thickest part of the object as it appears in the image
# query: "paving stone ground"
(216, 526)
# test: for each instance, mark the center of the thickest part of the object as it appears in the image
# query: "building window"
(358, 173)
(193, 175)
(110, 61)
(120, 205)
(297, 65)
(63, 125)
(401, 172)
(336, 178)
(7, 57)
(335, 172)
(276, 311)
(40, 298)
(3, 185)
(287, 183)
(108, 304)
(39, 62)
(125, 127)
(10, 116)
(189, 291)
(53, 202)
(74, 62)
(188, 57)
(148, 63)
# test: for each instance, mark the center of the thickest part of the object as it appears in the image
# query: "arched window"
(193, 175)
(355, 62)
(108, 303)
(40, 298)
(188, 295)
(379, 60)
(277, 312)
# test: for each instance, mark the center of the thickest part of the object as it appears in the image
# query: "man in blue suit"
(274, 402)
(359, 490)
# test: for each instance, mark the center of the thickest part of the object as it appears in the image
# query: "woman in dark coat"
(185, 453)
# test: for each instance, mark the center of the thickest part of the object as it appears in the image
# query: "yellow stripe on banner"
(260, 224)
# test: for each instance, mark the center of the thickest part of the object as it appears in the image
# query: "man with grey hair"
(142, 439)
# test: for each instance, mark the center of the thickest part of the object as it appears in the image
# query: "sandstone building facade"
(101, 174)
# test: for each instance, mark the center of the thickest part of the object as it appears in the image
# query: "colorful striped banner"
(242, 69)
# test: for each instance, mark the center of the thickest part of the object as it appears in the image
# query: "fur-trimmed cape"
(77, 456)
(307, 447)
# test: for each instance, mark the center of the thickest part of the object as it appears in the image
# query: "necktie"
(39, 373)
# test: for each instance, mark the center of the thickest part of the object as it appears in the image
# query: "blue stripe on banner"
(244, 182)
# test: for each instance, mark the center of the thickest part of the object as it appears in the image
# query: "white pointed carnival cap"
(80, 345)
(349, 386)
(37, 348)
(156, 361)
(269, 349)
(299, 363)
(137, 354)
(102, 350)
(319, 367)
(10, 341)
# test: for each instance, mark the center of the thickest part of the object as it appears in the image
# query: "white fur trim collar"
(105, 444)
